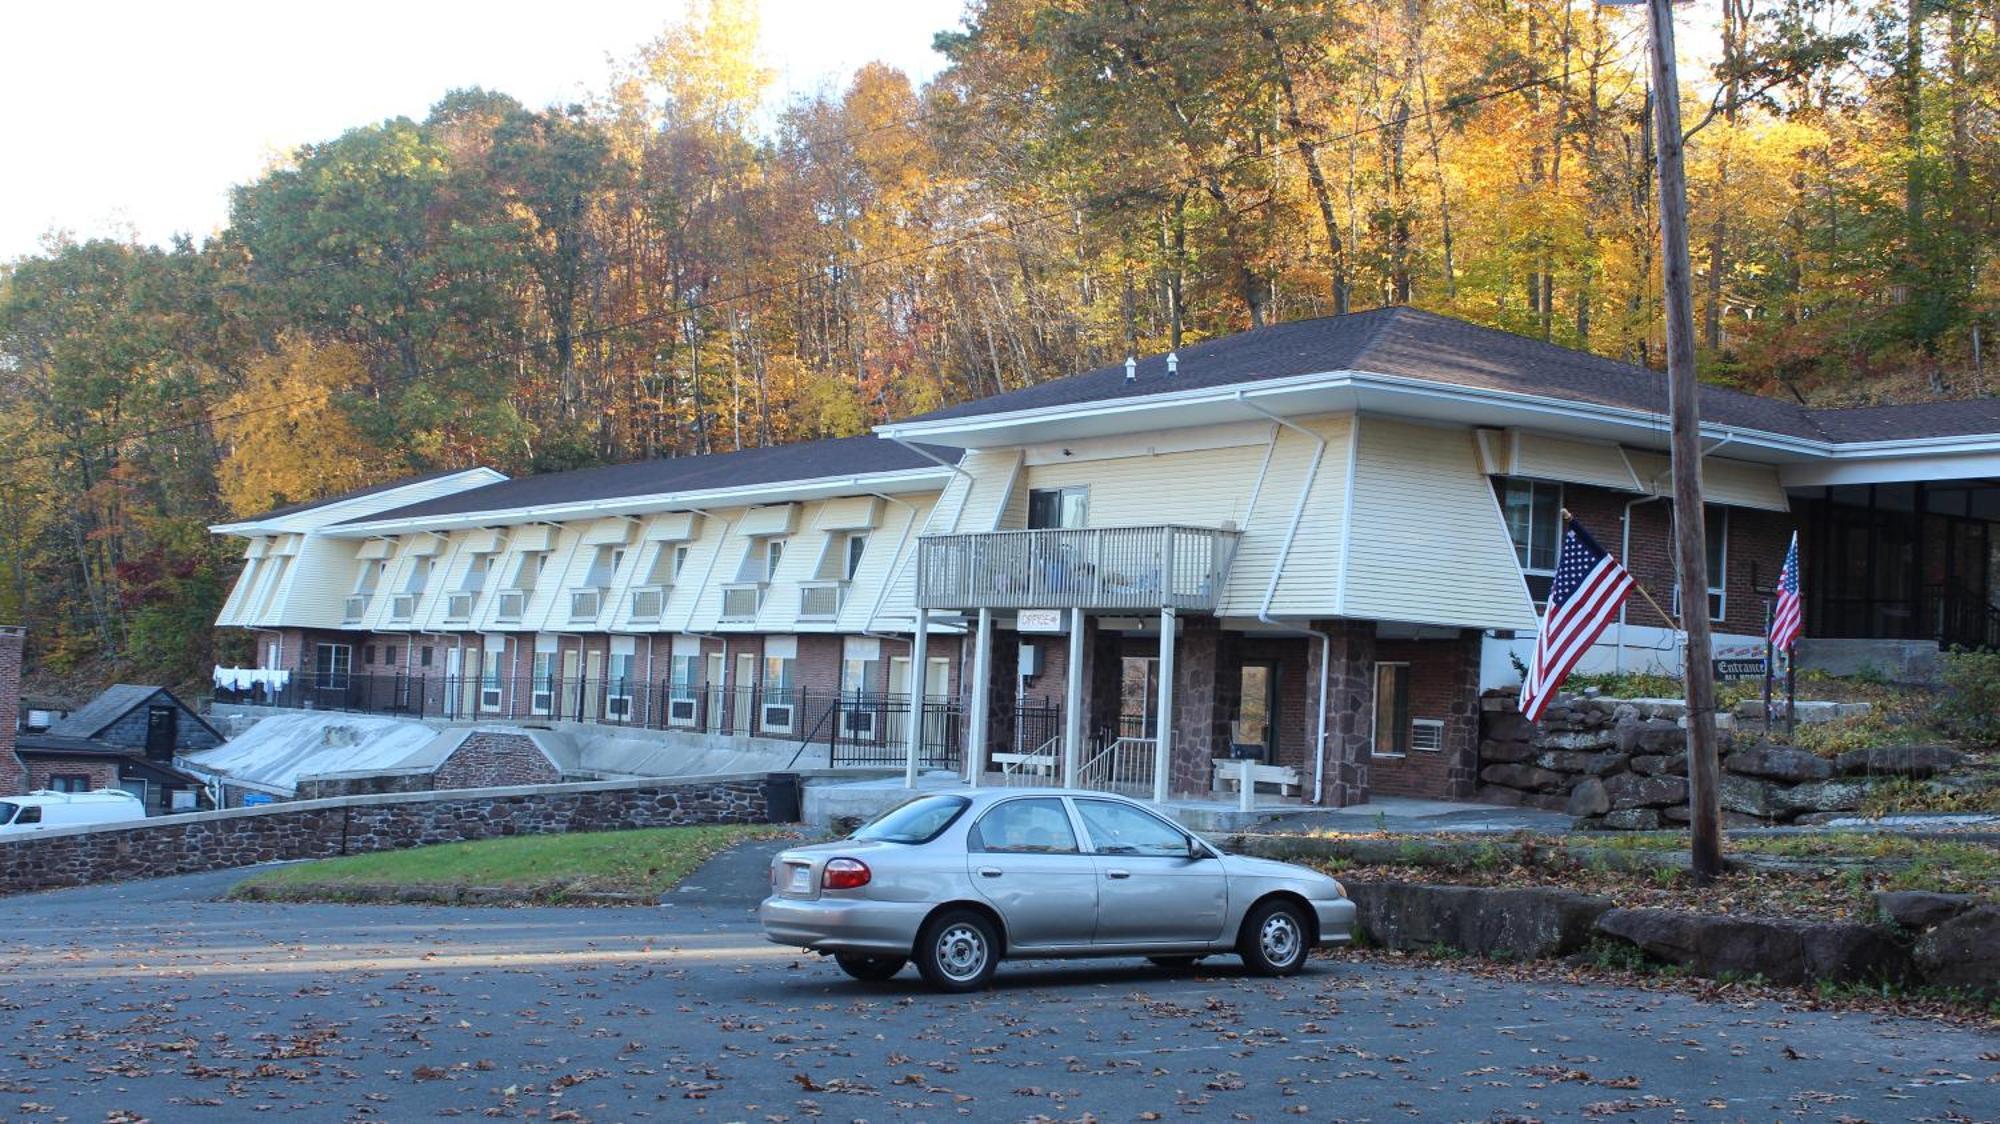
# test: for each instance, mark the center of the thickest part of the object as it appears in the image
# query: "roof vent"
(1173, 363)
(1131, 369)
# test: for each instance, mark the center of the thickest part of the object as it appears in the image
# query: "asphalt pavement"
(153, 1001)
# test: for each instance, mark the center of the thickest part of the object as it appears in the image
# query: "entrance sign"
(1740, 668)
(1041, 620)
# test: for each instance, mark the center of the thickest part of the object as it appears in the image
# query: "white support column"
(1163, 745)
(1073, 702)
(919, 693)
(982, 672)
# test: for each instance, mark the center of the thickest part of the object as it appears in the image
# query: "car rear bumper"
(843, 924)
(1336, 921)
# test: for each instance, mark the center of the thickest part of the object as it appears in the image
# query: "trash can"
(781, 798)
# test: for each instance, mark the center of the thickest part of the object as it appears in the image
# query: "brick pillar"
(13, 777)
(1461, 727)
(1349, 713)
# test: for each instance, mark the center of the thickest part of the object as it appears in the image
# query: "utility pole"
(1690, 533)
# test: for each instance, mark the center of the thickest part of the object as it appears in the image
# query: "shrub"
(1627, 685)
(1969, 705)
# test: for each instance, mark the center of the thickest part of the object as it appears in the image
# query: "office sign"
(1041, 620)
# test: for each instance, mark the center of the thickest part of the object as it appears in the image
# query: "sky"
(133, 120)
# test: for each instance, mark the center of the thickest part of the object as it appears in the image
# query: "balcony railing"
(1103, 568)
(820, 600)
(584, 604)
(742, 600)
(357, 606)
(402, 607)
(458, 606)
(513, 602)
(648, 601)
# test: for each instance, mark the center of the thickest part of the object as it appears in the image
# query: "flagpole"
(1770, 664)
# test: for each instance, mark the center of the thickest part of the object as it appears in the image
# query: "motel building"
(1311, 546)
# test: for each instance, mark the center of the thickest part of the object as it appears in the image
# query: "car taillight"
(844, 874)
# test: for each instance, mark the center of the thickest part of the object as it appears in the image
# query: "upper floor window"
(1058, 508)
(1715, 532)
(1392, 709)
(420, 575)
(843, 556)
(603, 564)
(1533, 511)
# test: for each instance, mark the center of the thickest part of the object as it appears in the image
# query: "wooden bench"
(1229, 774)
(1040, 764)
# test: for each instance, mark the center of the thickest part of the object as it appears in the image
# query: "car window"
(1035, 826)
(7, 810)
(917, 821)
(1120, 829)
(30, 814)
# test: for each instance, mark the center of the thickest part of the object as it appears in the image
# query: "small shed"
(132, 716)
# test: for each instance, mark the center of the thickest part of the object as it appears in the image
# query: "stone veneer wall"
(13, 777)
(186, 844)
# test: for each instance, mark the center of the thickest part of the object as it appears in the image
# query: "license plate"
(801, 878)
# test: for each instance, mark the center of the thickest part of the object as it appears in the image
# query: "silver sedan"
(959, 881)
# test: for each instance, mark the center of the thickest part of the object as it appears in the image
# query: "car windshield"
(918, 821)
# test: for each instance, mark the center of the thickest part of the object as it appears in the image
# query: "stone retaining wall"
(312, 829)
(1621, 764)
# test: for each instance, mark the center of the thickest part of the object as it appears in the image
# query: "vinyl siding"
(313, 592)
(1205, 488)
(1541, 457)
(1309, 583)
(1425, 539)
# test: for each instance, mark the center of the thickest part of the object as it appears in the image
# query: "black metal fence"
(854, 728)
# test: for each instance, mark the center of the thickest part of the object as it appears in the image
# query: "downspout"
(1278, 569)
(931, 457)
(707, 572)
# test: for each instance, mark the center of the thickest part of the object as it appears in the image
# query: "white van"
(44, 809)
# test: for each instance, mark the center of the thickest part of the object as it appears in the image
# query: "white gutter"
(1278, 569)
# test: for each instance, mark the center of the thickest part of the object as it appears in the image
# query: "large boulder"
(1660, 764)
(1821, 796)
(1779, 763)
(1523, 924)
(1749, 796)
(1506, 751)
(1574, 761)
(1650, 735)
(1508, 726)
(1779, 950)
(1917, 910)
(1898, 761)
(1520, 776)
(1588, 798)
(1964, 952)
(1632, 819)
(1629, 790)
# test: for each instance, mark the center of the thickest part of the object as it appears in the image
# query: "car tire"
(1174, 963)
(874, 969)
(1275, 939)
(959, 950)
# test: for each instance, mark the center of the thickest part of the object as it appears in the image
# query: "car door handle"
(989, 872)
(1117, 874)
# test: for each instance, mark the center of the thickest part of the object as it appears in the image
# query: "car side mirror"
(1197, 849)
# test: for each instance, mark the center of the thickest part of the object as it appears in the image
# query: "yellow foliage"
(288, 438)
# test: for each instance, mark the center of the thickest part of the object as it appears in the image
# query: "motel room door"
(937, 685)
(713, 688)
(742, 700)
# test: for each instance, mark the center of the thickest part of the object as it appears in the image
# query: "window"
(842, 557)
(424, 657)
(774, 550)
(859, 676)
(603, 564)
(70, 782)
(857, 545)
(371, 575)
(30, 814)
(542, 685)
(666, 564)
(332, 664)
(1033, 826)
(915, 821)
(1121, 829)
(1138, 696)
(420, 574)
(1053, 508)
(684, 673)
(475, 574)
(621, 671)
(368, 653)
(1533, 510)
(1392, 709)
(1715, 535)
(680, 561)
(389, 655)
(489, 680)
(777, 679)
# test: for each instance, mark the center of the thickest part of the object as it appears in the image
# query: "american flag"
(1589, 588)
(1789, 617)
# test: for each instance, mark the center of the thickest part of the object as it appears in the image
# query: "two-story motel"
(1312, 544)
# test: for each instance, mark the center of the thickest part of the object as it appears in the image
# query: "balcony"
(821, 600)
(648, 601)
(357, 607)
(742, 600)
(1142, 568)
(584, 604)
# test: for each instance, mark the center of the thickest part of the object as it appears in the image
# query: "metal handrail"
(1146, 567)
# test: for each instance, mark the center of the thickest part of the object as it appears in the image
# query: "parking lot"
(151, 1000)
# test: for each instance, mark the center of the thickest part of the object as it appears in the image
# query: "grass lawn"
(543, 867)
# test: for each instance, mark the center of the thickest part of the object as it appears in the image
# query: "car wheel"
(1275, 938)
(958, 951)
(872, 968)
(1174, 963)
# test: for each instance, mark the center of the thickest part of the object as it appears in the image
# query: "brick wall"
(13, 778)
(187, 844)
(1755, 546)
(1444, 685)
(42, 770)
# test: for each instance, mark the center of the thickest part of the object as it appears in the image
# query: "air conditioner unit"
(681, 711)
(618, 706)
(542, 700)
(777, 717)
(1427, 734)
(489, 698)
(859, 723)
